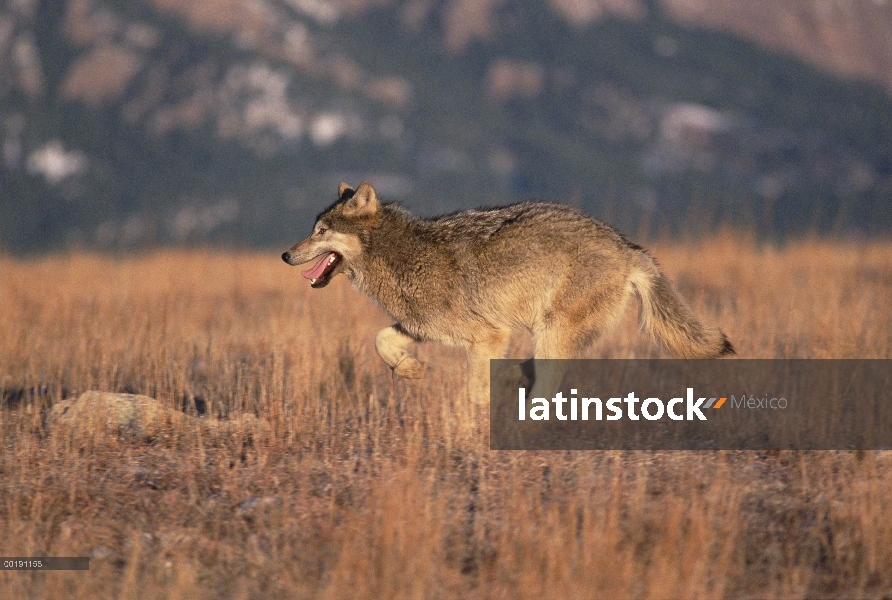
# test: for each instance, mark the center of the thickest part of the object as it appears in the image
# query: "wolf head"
(336, 239)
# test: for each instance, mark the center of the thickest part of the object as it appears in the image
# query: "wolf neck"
(396, 255)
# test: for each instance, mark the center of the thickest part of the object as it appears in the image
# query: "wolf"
(472, 278)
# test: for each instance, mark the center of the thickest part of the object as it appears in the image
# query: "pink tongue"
(316, 271)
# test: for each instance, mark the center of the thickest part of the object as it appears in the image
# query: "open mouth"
(323, 271)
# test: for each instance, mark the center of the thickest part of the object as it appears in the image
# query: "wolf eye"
(321, 230)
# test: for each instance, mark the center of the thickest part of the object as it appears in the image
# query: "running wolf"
(471, 278)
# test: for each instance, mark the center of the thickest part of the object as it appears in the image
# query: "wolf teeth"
(331, 259)
(312, 281)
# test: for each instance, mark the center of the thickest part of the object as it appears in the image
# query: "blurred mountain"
(137, 122)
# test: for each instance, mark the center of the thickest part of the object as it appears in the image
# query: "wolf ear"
(364, 201)
(343, 188)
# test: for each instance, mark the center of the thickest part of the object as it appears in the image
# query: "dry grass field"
(358, 486)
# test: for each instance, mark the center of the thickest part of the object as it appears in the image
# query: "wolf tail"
(666, 317)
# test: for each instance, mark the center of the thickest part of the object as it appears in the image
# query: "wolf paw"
(411, 368)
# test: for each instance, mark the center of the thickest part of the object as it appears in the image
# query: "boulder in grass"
(133, 413)
(252, 507)
(125, 412)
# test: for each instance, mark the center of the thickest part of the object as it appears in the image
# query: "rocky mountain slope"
(126, 123)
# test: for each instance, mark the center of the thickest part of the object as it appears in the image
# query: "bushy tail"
(667, 318)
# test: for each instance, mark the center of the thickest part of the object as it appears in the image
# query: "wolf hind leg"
(569, 332)
(392, 344)
(552, 347)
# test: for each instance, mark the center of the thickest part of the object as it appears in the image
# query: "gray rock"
(139, 414)
(257, 505)
(103, 553)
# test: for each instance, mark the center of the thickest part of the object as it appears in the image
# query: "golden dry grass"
(382, 489)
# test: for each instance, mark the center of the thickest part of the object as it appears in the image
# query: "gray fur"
(471, 278)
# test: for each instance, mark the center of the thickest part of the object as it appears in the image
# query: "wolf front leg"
(559, 341)
(479, 355)
(392, 344)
